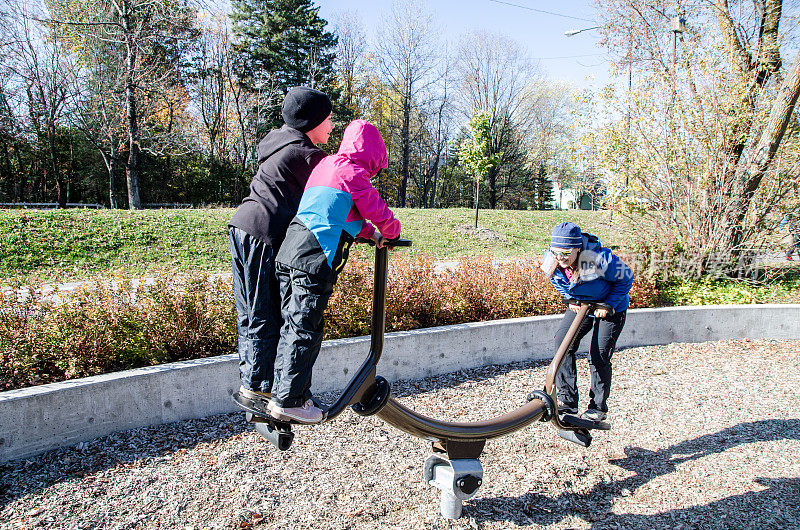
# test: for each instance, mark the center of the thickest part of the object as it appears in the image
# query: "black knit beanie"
(304, 108)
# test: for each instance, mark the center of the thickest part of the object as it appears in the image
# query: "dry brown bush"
(109, 325)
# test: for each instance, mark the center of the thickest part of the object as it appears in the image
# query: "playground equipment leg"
(275, 432)
(458, 479)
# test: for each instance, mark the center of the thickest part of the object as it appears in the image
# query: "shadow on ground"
(778, 505)
(40, 472)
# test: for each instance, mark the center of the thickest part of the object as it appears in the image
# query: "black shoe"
(594, 415)
(257, 401)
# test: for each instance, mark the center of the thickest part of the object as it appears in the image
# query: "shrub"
(107, 325)
(110, 324)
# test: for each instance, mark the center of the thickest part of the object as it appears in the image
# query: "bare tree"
(710, 120)
(13, 180)
(408, 61)
(437, 126)
(143, 31)
(210, 88)
(41, 70)
(497, 76)
(550, 139)
(98, 104)
(351, 49)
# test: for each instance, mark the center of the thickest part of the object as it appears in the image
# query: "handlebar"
(396, 242)
(365, 377)
(592, 305)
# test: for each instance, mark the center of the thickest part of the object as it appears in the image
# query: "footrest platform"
(576, 421)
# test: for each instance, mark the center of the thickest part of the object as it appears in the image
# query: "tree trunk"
(406, 146)
(22, 185)
(8, 174)
(132, 168)
(110, 160)
(753, 170)
(492, 181)
(432, 203)
(477, 200)
(61, 185)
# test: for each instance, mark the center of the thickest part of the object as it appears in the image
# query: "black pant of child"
(794, 247)
(604, 339)
(258, 315)
(304, 298)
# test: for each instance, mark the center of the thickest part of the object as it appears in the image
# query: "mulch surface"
(704, 436)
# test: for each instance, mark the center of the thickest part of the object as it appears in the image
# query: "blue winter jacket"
(601, 277)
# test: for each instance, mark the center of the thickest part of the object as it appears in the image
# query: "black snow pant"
(258, 302)
(604, 339)
(304, 298)
(794, 247)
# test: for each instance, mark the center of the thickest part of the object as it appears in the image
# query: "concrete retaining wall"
(36, 419)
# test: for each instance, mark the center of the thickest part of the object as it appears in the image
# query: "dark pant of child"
(604, 339)
(304, 298)
(258, 317)
(794, 247)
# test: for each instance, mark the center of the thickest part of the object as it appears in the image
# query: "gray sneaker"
(308, 413)
(594, 415)
(563, 408)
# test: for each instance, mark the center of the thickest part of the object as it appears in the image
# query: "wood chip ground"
(704, 436)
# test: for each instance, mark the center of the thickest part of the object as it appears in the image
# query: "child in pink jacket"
(337, 206)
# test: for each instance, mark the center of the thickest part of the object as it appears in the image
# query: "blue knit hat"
(567, 235)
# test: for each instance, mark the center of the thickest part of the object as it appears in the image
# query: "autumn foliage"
(111, 325)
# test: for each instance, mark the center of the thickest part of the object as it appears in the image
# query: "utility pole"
(628, 111)
(678, 26)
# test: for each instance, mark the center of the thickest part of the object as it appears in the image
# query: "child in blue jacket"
(791, 225)
(584, 270)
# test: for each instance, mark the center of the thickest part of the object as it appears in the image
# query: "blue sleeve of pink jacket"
(368, 202)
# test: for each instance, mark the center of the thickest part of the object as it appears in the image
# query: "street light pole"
(678, 26)
(628, 109)
(571, 32)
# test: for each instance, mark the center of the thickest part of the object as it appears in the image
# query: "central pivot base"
(458, 479)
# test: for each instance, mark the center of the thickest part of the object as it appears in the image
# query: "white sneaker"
(308, 413)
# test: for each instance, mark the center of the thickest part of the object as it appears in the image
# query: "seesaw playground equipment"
(453, 467)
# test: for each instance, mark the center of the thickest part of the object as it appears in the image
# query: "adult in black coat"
(286, 157)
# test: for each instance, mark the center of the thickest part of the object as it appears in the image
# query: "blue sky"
(578, 59)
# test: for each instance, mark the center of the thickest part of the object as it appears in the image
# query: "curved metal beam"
(416, 424)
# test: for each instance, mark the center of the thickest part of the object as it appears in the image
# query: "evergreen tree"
(543, 198)
(281, 44)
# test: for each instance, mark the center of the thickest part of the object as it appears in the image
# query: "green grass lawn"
(65, 245)
(69, 245)
(62, 245)
(448, 234)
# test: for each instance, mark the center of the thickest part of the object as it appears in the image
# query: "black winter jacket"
(286, 157)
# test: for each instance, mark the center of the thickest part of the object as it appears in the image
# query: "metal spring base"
(458, 480)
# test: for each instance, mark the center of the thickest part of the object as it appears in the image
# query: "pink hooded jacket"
(338, 203)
